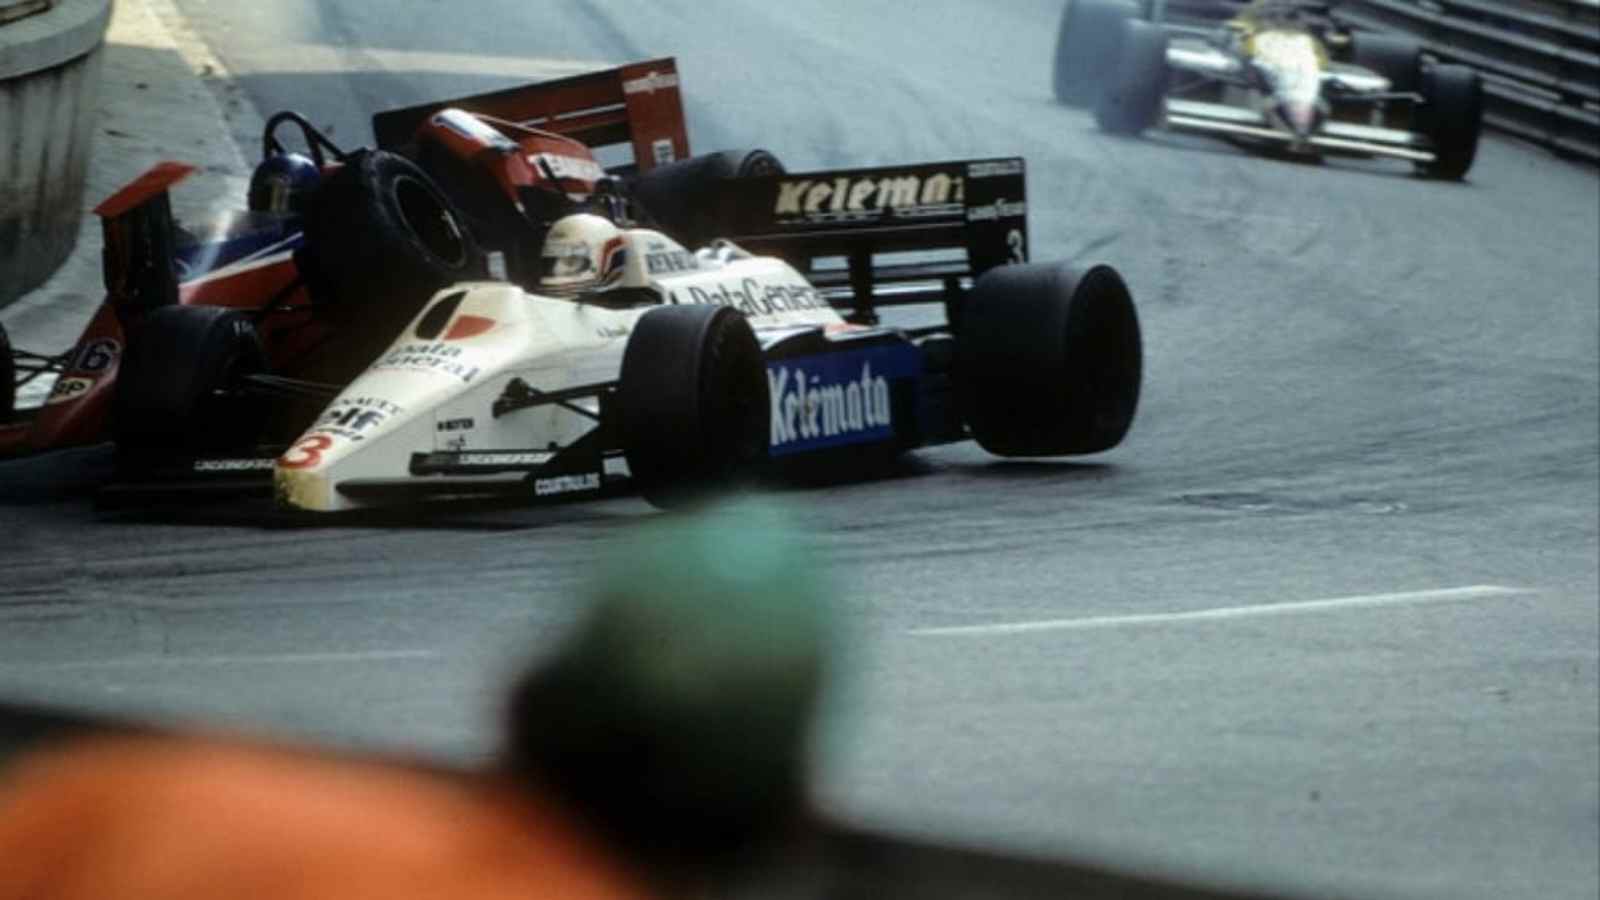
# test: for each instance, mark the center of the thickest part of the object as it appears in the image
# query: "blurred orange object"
(174, 819)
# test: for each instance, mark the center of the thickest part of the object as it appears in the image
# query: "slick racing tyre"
(1086, 46)
(1131, 100)
(1398, 59)
(1049, 360)
(692, 402)
(381, 238)
(1452, 118)
(175, 391)
(8, 378)
(674, 196)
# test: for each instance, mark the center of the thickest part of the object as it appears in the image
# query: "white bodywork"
(433, 394)
(1299, 73)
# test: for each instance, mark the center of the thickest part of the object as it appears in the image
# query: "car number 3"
(307, 453)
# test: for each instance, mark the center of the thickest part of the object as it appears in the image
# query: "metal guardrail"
(1540, 59)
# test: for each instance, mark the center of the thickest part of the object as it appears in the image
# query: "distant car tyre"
(1398, 59)
(1131, 100)
(382, 238)
(1049, 361)
(172, 387)
(673, 195)
(8, 378)
(1452, 118)
(1086, 47)
(692, 403)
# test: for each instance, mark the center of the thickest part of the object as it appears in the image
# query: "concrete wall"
(49, 85)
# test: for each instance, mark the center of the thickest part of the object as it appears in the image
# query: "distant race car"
(638, 363)
(1283, 74)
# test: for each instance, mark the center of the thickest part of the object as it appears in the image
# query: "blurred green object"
(680, 712)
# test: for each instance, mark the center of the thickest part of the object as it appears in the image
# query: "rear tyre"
(1398, 59)
(174, 388)
(692, 405)
(382, 238)
(8, 378)
(1086, 46)
(1049, 361)
(674, 195)
(1131, 101)
(1452, 118)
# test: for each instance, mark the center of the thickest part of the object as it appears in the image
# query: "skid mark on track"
(1369, 601)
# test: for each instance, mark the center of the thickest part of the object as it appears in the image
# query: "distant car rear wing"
(865, 229)
(638, 105)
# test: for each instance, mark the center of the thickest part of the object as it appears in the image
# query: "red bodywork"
(78, 408)
(533, 137)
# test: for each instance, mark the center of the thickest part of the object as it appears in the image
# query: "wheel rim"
(430, 221)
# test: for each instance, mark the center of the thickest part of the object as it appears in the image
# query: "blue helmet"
(283, 183)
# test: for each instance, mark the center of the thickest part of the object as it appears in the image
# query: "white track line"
(280, 659)
(1443, 595)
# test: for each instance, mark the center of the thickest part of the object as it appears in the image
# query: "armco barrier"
(1540, 59)
(49, 81)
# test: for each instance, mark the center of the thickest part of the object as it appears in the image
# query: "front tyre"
(176, 387)
(1131, 101)
(1452, 117)
(692, 403)
(1049, 360)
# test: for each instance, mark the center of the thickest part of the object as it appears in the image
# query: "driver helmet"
(283, 184)
(582, 252)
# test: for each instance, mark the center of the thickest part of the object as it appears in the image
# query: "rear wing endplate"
(638, 105)
(978, 207)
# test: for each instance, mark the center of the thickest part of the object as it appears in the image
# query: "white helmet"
(582, 252)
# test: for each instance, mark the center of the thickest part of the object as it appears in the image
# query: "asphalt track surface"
(1362, 387)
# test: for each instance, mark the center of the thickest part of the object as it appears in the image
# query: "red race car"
(338, 250)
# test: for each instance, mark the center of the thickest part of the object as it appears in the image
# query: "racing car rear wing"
(885, 224)
(638, 105)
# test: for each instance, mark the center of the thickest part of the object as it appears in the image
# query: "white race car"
(637, 363)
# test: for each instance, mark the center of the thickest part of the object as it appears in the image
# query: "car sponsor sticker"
(436, 357)
(836, 399)
(67, 390)
(907, 195)
(97, 356)
(510, 460)
(999, 209)
(650, 83)
(567, 168)
(995, 168)
(754, 298)
(566, 484)
(354, 417)
(670, 262)
(216, 466)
